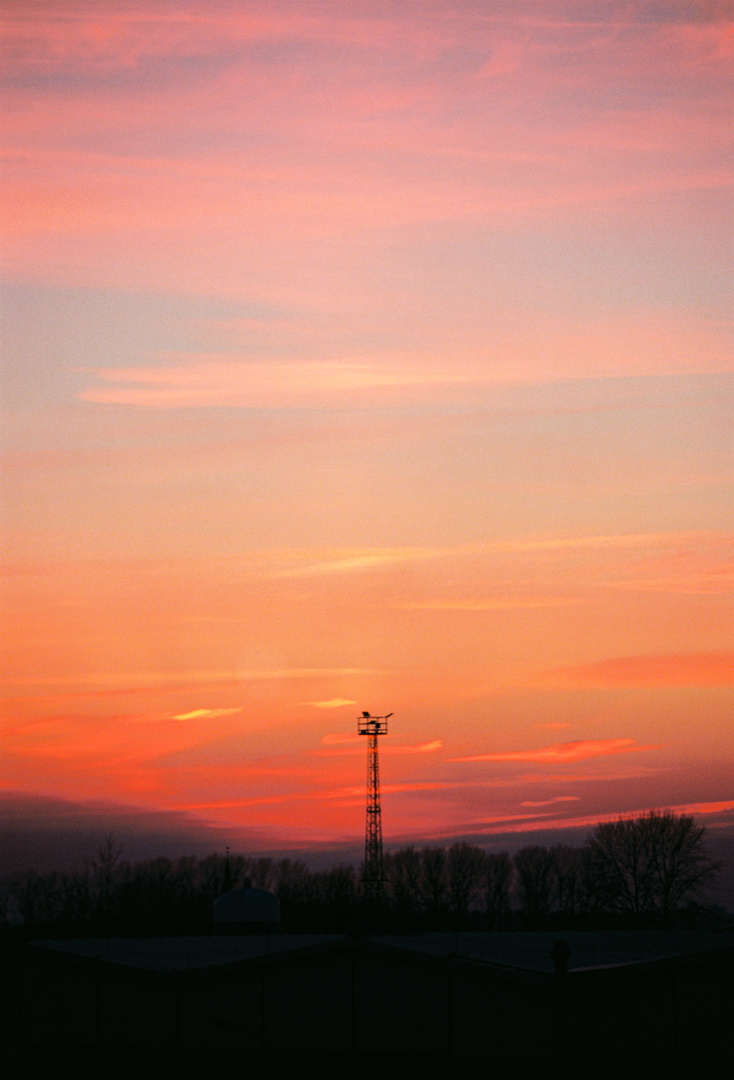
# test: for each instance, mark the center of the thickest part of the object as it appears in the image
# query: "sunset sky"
(368, 354)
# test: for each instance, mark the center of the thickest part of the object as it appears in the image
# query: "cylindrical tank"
(247, 911)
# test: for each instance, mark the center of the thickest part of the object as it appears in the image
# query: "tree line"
(646, 871)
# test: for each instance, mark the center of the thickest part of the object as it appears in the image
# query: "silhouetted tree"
(34, 898)
(295, 891)
(649, 865)
(535, 878)
(291, 875)
(433, 880)
(211, 873)
(589, 894)
(497, 881)
(262, 873)
(403, 871)
(465, 866)
(640, 869)
(335, 895)
(566, 872)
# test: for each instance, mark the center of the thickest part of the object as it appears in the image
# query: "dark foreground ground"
(620, 1005)
(39, 1063)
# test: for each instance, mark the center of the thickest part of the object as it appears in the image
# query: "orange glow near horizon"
(371, 356)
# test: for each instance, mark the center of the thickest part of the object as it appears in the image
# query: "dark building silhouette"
(440, 1000)
(247, 911)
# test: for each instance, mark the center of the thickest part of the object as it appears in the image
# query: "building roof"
(526, 951)
(589, 948)
(247, 905)
(186, 953)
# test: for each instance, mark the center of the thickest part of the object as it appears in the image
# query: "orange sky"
(368, 356)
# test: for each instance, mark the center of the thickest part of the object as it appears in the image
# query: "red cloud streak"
(565, 752)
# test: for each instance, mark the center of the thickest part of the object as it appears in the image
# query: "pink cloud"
(92, 39)
(562, 822)
(704, 807)
(227, 382)
(317, 796)
(420, 748)
(339, 737)
(692, 669)
(550, 802)
(565, 752)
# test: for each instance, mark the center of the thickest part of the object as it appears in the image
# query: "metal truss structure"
(373, 878)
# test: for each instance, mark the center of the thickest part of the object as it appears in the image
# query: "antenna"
(373, 878)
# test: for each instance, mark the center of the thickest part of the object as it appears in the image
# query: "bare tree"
(465, 868)
(34, 898)
(567, 879)
(433, 879)
(535, 874)
(104, 873)
(497, 881)
(336, 888)
(589, 893)
(263, 873)
(403, 873)
(291, 876)
(650, 864)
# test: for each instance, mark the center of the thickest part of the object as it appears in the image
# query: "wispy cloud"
(682, 669)
(563, 822)
(352, 751)
(701, 583)
(206, 714)
(562, 753)
(549, 802)
(489, 605)
(332, 703)
(303, 561)
(207, 381)
(704, 807)
(361, 560)
(420, 748)
(339, 737)
(353, 792)
(314, 562)
(550, 820)
(149, 680)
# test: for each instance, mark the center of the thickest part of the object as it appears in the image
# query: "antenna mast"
(373, 879)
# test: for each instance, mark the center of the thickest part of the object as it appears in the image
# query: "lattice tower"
(373, 878)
